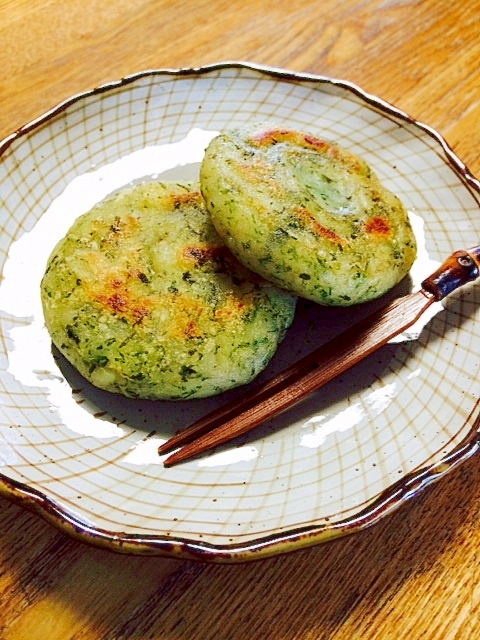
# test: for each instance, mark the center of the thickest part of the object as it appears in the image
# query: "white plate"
(87, 461)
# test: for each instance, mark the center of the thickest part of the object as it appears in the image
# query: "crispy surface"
(306, 214)
(144, 299)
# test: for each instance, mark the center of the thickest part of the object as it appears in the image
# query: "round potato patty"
(306, 214)
(144, 299)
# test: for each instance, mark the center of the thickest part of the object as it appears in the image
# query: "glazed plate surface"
(87, 461)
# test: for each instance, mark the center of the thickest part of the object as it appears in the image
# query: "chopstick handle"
(461, 267)
(324, 364)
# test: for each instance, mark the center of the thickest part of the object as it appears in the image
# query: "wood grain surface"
(416, 573)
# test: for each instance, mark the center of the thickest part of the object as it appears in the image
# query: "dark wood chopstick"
(323, 365)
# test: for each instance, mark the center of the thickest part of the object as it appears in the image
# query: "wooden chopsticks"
(294, 383)
(322, 365)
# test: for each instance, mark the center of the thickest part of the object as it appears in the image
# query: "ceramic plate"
(87, 461)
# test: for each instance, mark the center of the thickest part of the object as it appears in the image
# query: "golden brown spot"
(188, 198)
(377, 226)
(120, 228)
(307, 141)
(274, 136)
(115, 295)
(117, 302)
(206, 254)
(186, 314)
(257, 169)
(203, 254)
(191, 330)
(199, 254)
(234, 308)
(314, 225)
(228, 312)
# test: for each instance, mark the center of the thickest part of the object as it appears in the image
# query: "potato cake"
(306, 214)
(143, 297)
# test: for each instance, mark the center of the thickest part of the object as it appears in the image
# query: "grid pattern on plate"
(324, 462)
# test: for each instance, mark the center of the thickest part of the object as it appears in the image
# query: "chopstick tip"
(164, 448)
(172, 460)
(184, 454)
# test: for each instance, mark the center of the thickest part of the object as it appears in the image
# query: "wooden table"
(416, 574)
